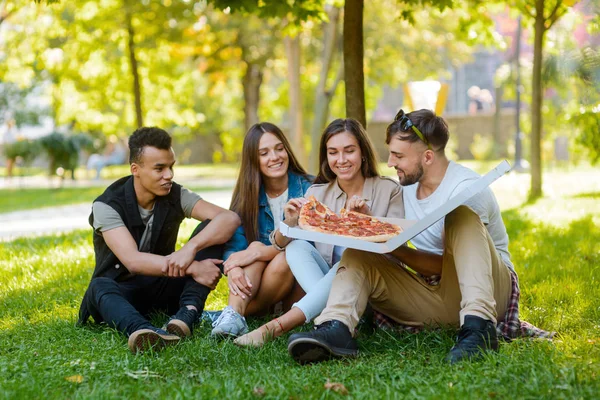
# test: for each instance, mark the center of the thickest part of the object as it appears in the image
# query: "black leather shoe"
(329, 340)
(476, 336)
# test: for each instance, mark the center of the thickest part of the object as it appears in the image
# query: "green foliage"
(192, 58)
(587, 122)
(83, 142)
(295, 11)
(25, 149)
(63, 150)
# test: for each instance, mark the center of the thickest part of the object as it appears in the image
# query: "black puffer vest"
(168, 215)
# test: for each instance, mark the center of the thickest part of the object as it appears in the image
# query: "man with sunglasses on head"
(464, 276)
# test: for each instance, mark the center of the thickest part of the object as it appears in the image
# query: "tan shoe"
(179, 328)
(146, 339)
(260, 336)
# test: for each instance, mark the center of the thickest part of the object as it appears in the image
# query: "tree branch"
(553, 15)
(4, 15)
(555, 18)
(528, 10)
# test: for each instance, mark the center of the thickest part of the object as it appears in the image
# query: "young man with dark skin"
(465, 254)
(136, 222)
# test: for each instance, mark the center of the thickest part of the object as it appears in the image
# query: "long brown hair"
(247, 188)
(368, 167)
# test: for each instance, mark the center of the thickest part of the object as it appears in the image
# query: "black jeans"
(126, 305)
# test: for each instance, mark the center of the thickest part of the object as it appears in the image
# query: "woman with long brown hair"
(258, 273)
(348, 178)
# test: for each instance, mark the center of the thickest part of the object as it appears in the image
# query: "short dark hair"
(434, 128)
(147, 136)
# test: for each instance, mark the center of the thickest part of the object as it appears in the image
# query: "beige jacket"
(384, 199)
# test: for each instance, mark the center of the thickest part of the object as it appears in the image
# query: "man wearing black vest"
(136, 221)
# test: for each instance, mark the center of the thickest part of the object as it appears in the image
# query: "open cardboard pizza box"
(410, 228)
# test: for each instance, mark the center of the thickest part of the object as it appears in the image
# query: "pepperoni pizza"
(317, 217)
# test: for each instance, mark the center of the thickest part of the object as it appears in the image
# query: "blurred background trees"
(207, 70)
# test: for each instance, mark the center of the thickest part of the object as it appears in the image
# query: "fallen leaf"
(74, 378)
(336, 387)
(258, 391)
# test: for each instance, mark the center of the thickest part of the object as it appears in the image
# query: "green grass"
(29, 199)
(555, 244)
(18, 199)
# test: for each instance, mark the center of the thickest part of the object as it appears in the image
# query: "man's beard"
(411, 179)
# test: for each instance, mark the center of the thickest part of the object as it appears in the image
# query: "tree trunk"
(323, 95)
(137, 89)
(499, 148)
(353, 61)
(251, 82)
(292, 48)
(537, 103)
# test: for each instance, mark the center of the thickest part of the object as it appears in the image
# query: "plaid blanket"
(510, 327)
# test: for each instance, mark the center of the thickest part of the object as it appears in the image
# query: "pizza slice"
(314, 213)
(366, 227)
(317, 217)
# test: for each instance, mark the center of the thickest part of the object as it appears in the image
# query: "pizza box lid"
(410, 228)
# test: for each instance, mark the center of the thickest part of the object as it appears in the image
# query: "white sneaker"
(230, 324)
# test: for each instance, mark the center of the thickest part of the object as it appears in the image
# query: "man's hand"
(206, 272)
(291, 210)
(241, 259)
(358, 204)
(179, 261)
(239, 283)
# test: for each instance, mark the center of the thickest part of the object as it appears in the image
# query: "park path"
(66, 218)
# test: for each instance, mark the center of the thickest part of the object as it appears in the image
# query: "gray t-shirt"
(106, 218)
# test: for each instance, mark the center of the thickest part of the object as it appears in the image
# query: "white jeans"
(313, 274)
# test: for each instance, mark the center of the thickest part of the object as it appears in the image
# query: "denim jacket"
(297, 186)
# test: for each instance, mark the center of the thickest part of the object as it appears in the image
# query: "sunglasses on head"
(406, 124)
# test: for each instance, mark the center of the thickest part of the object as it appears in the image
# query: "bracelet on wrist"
(274, 242)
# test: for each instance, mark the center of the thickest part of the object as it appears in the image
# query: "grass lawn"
(26, 199)
(555, 244)
(29, 199)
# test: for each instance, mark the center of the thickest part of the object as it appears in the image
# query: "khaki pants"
(474, 281)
